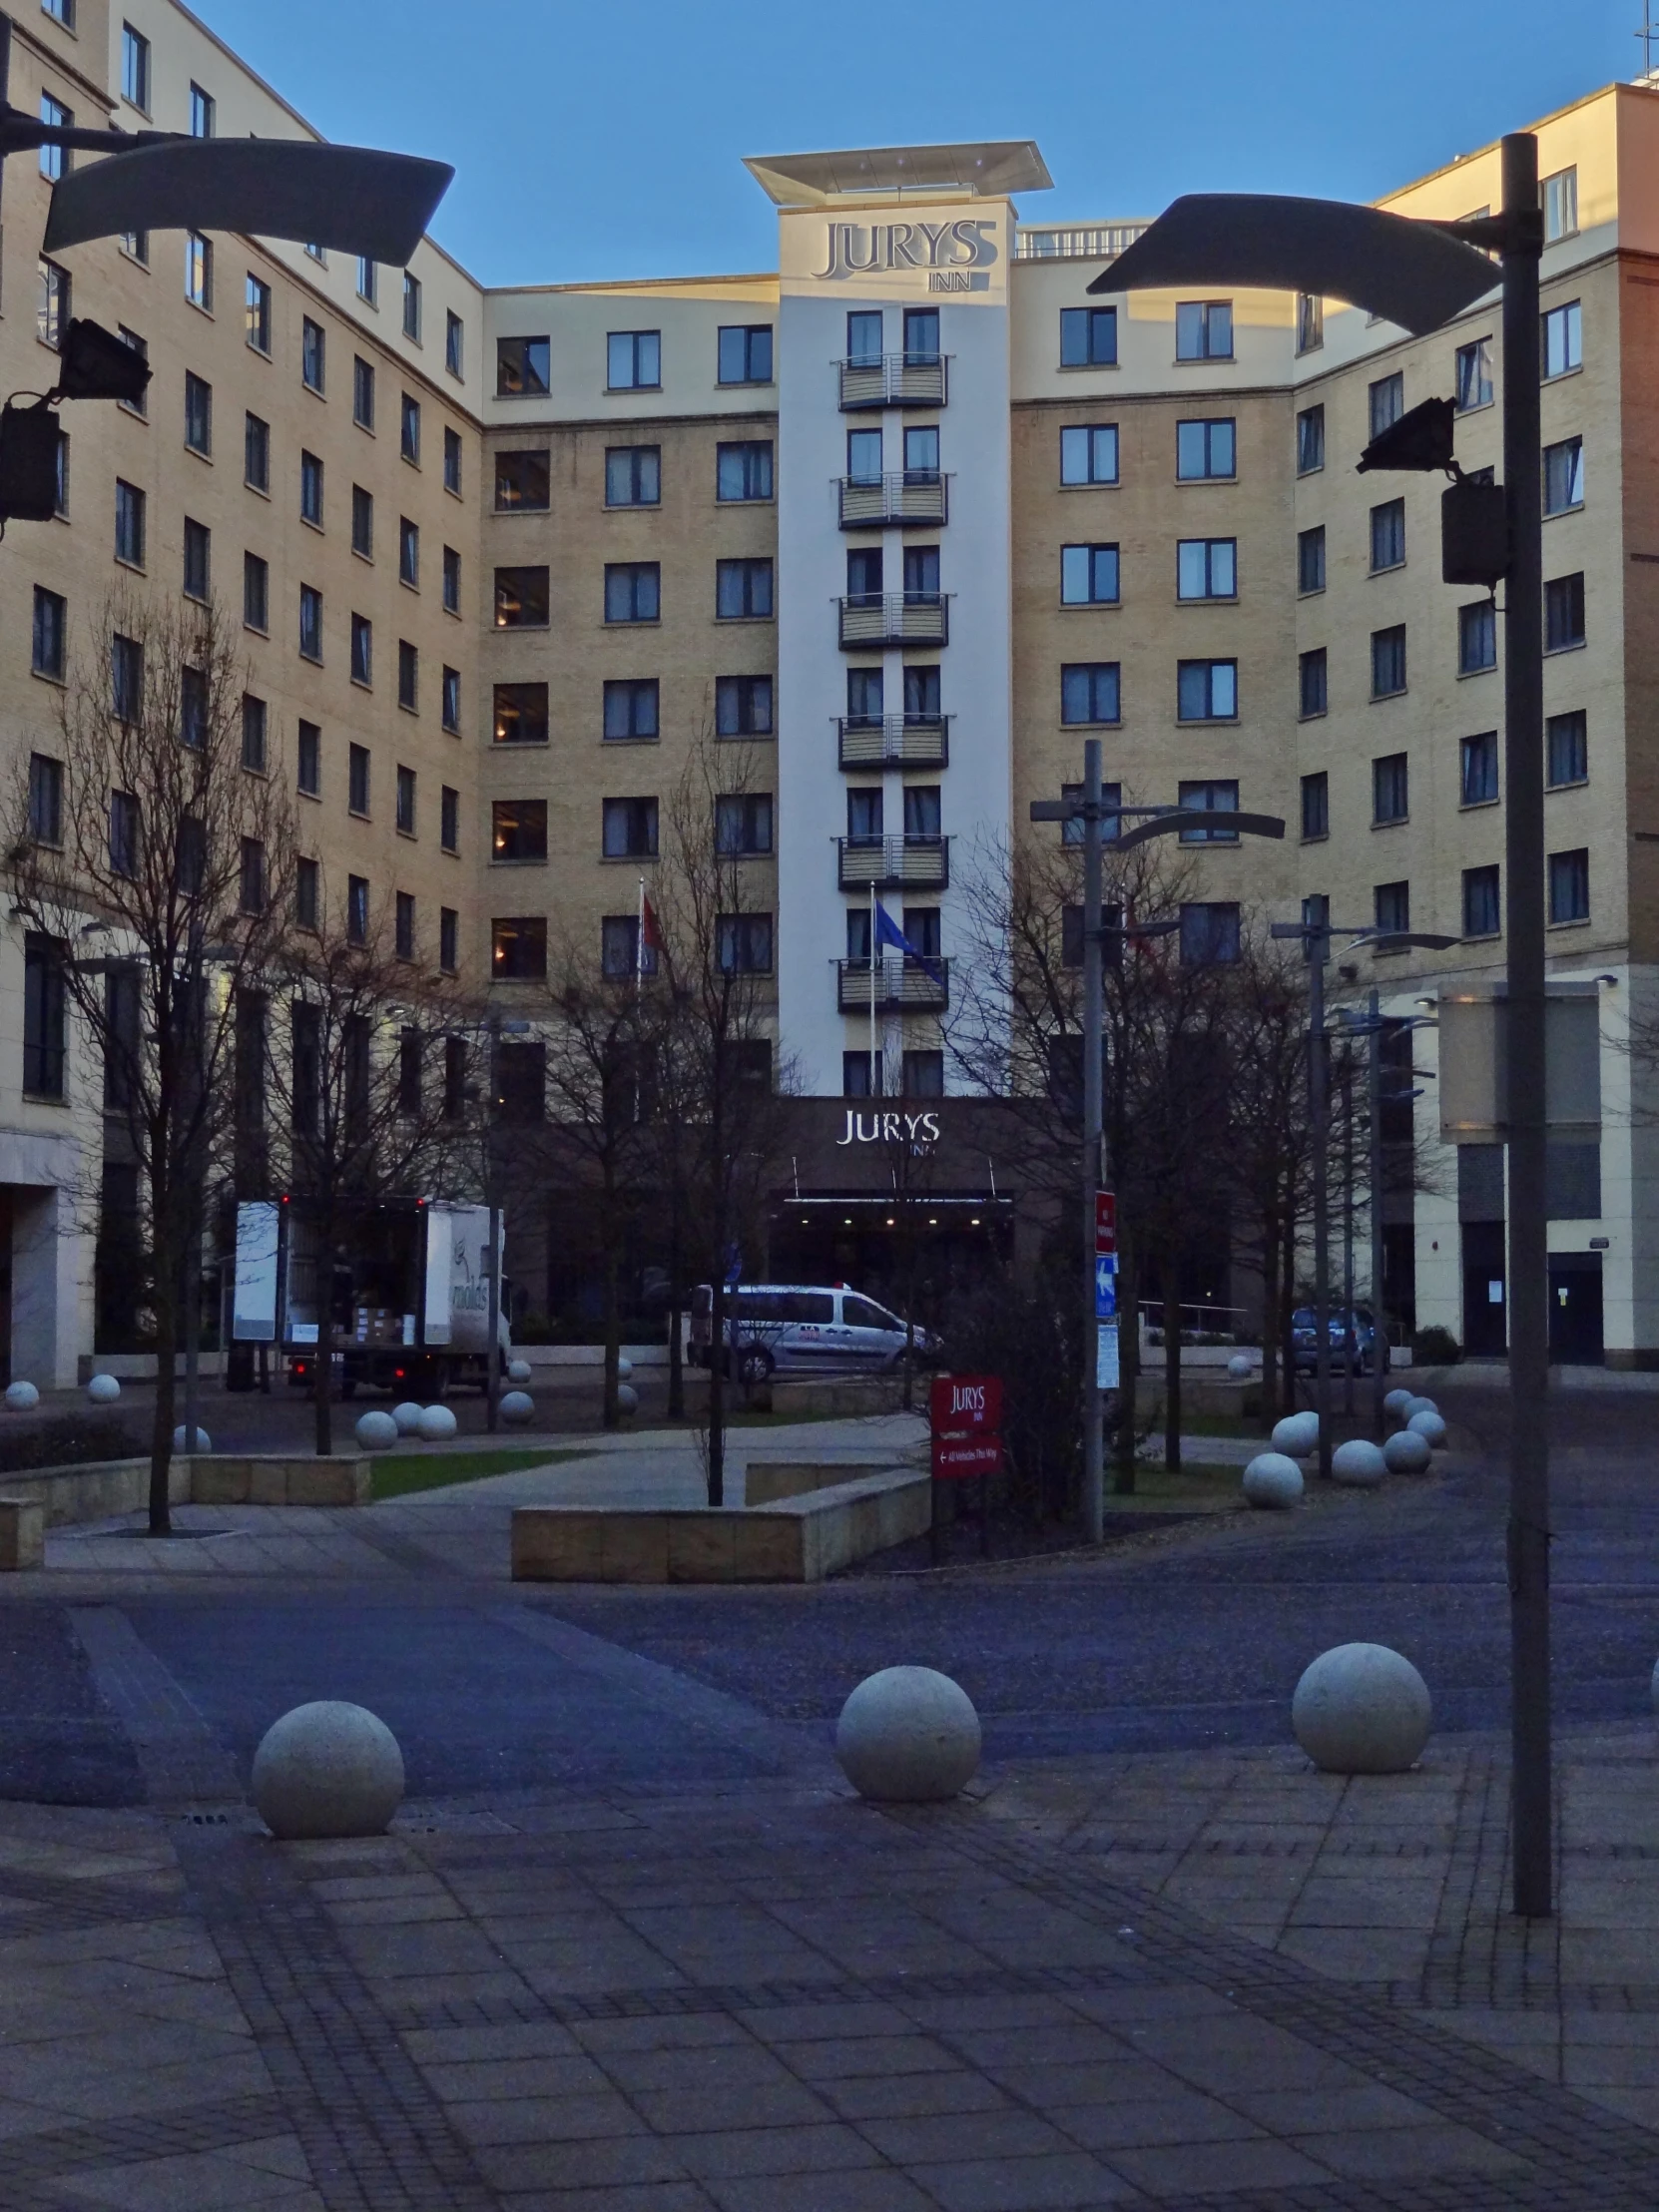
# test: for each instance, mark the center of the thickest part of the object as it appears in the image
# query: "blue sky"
(605, 140)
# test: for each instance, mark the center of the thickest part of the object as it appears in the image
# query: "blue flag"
(889, 933)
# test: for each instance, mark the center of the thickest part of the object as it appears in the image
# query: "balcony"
(907, 495)
(895, 741)
(901, 987)
(894, 618)
(895, 863)
(894, 380)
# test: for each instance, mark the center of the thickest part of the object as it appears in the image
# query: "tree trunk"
(613, 1318)
(716, 1378)
(161, 1432)
(1172, 1366)
(1129, 1364)
(1286, 1308)
(675, 1359)
(1269, 1315)
(322, 1369)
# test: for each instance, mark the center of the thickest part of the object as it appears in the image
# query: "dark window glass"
(310, 623)
(356, 908)
(743, 471)
(1209, 933)
(518, 948)
(524, 482)
(256, 453)
(1088, 575)
(362, 650)
(1388, 661)
(921, 336)
(744, 943)
(1210, 798)
(363, 393)
(451, 581)
(523, 367)
(1563, 613)
(1482, 912)
(743, 706)
(1569, 885)
(743, 823)
(1316, 806)
(308, 893)
(1476, 637)
(1204, 449)
(1089, 692)
(619, 947)
(309, 760)
(1310, 440)
(744, 353)
(1088, 338)
(629, 828)
(1206, 691)
(1477, 768)
(197, 559)
(362, 522)
(357, 785)
(312, 354)
(408, 431)
(1566, 748)
(1390, 789)
(1474, 374)
(251, 876)
(449, 946)
(256, 592)
(44, 1015)
(633, 476)
(49, 638)
(449, 819)
(1309, 560)
(518, 830)
(408, 552)
(198, 415)
(1388, 535)
(45, 798)
(452, 461)
(1387, 401)
(451, 704)
(126, 678)
(193, 708)
(743, 590)
(411, 307)
(521, 598)
(633, 591)
(126, 830)
(407, 788)
(521, 713)
(1391, 907)
(1563, 476)
(254, 726)
(631, 708)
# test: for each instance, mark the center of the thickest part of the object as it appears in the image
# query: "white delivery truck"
(408, 1293)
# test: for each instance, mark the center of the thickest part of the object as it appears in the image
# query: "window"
(408, 431)
(1563, 613)
(204, 113)
(408, 676)
(1476, 637)
(1313, 695)
(126, 828)
(1566, 750)
(1388, 535)
(864, 813)
(1210, 798)
(454, 343)
(198, 272)
(140, 405)
(1569, 885)
(356, 909)
(1560, 195)
(193, 710)
(45, 798)
(1309, 560)
(1088, 575)
(449, 959)
(452, 461)
(1315, 806)
(368, 281)
(631, 708)
(251, 885)
(126, 678)
(55, 159)
(629, 828)
(522, 368)
(1390, 789)
(311, 490)
(255, 593)
(1310, 440)
(743, 590)
(1206, 568)
(411, 307)
(1563, 476)
(52, 308)
(743, 471)
(524, 482)
(633, 476)
(1204, 449)
(1088, 338)
(619, 947)
(198, 415)
(44, 1022)
(856, 1070)
(1388, 401)
(362, 522)
(310, 623)
(634, 360)
(743, 944)
(1310, 321)
(518, 948)
(743, 823)
(1204, 330)
(450, 705)
(356, 780)
(135, 68)
(308, 893)
(1391, 907)
(404, 804)
(61, 11)
(521, 598)
(197, 559)
(408, 552)
(1387, 661)
(1089, 453)
(922, 337)
(1206, 691)
(451, 581)
(256, 453)
(51, 624)
(742, 706)
(362, 650)
(1090, 692)
(1209, 933)
(404, 944)
(362, 393)
(1477, 768)
(308, 776)
(864, 337)
(256, 313)
(1561, 341)
(318, 254)
(1474, 374)
(744, 353)
(520, 713)
(61, 492)
(129, 524)
(1482, 908)
(518, 830)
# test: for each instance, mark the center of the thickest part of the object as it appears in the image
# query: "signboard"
(1105, 1288)
(1105, 1221)
(965, 1415)
(1106, 1356)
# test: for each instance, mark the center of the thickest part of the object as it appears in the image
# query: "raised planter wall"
(108, 1487)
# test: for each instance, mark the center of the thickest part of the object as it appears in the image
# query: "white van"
(791, 1327)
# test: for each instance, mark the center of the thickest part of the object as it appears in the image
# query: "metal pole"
(1317, 944)
(1350, 1342)
(1094, 1504)
(492, 1354)
(1378, 1379)
(1528, 1279)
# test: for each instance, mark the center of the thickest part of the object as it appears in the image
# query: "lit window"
(521, 598)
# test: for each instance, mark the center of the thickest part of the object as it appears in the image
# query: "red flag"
(651, 936)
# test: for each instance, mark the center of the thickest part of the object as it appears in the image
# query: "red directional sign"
(965, 1414)
(1105, 1221)
(955, 1456)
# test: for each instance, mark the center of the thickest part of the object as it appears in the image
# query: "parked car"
(1354, 1340)
(794, 1328)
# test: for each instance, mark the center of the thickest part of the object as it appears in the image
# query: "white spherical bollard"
(1395, 1402)
(103, 1389)
(1273, 1482)
(1407, 1453)
(1417, 1404)
(376, 1431)
(1430, 1428)
(908, 1736)
(1241, 1367)
(518, 1371)
(1363, 1709)
(21, 1397)
(1357, 1463)
(327, 1769)
(626, 1398)
(517, 1407)
(1297, 1435)
(436, 1423)
(204, 1442)
(406, 1417)
(624, 1367)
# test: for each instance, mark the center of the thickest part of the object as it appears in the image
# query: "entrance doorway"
(1576, 1308)
(1485, 1327)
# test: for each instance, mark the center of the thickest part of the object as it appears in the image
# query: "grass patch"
(1198, 1486)
(397, 1474)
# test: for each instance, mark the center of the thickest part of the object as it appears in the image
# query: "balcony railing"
(895, 741)
(894, 380)
(896, 618)
(907, 495)
(901, 986)
(903, 863)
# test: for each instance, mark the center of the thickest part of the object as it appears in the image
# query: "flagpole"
(872, 1076)
(639, 945)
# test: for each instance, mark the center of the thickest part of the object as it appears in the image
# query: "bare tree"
(160, 840)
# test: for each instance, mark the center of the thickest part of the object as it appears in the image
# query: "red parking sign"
(1105, 1221)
